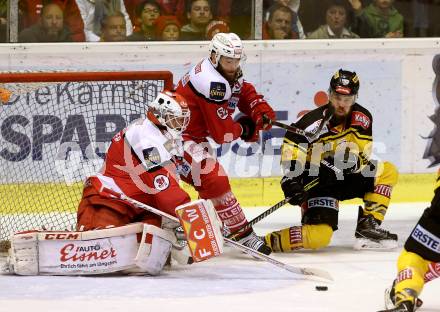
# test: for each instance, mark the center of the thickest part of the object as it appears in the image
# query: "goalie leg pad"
(74, 253)
(202, 229)
(154, 249)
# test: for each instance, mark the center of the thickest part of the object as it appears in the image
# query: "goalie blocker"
(202, 228)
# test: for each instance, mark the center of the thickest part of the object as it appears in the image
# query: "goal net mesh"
(54, 132)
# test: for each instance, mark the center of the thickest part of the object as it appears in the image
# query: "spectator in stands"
(174, 8)
(167, 7)
(93, 13)
(279, 24)
(147, 12)
(113, 28)
(380, 19)
(336, 20)
(30, 14)
(199, 14)
(294, 6)
(167, 28)
(421, 21)
(50, 28)
(215, 27)
(237, 14)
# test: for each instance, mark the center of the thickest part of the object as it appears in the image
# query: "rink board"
(250, 192)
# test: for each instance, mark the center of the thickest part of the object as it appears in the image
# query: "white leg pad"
(154, 249)
(91, 252)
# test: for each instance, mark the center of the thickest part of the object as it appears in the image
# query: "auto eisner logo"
(70, 252)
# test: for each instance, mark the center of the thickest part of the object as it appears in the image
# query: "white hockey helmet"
(226, 44)
(170, 110)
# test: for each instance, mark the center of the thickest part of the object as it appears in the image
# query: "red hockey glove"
(250, 132)
(260, 108)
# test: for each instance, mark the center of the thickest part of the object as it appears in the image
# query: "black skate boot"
(404, 306)
(369, 234)
(251, 240)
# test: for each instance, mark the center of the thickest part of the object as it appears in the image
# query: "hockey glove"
(349, 164)
(250, 132)
(293, 187)
(261, 108)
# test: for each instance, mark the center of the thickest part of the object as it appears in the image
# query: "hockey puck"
(321, 288)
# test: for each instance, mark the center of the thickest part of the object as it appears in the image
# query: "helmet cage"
(172, 112)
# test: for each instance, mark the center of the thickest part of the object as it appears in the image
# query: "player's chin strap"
(307, 272)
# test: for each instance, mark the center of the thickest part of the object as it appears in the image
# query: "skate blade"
(366, 244)
(387, 298)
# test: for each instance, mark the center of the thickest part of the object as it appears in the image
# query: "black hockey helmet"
(345, 82)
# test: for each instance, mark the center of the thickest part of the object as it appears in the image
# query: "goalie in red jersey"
(214, 88)
(128, 213)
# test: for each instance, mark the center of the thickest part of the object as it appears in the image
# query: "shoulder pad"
(208, 82)
(360, 116)
(148, 143)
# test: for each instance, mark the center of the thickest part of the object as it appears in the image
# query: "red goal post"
(54, 131)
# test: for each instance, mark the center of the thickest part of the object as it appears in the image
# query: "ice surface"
(235, 282)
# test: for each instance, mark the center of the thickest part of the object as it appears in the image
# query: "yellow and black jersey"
(354, 133)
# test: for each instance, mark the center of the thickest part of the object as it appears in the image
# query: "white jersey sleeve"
(207, 82)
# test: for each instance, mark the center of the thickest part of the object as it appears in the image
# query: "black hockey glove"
(250, 133)
(293, 187)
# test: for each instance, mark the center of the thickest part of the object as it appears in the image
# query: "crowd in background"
(171, 20)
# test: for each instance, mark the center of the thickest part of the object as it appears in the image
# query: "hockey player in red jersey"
(130, 210)
(214, 88)
(140, 164)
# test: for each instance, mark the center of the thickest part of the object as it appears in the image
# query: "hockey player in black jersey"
(342, 137)
(419, 261)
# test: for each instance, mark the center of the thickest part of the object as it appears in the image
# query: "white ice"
(235, 282)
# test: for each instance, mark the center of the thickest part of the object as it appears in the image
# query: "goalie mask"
(228, 45)
(170, 110)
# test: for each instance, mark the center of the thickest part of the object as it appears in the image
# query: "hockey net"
(55, 129)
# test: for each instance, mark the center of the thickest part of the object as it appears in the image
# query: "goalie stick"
(307, 272)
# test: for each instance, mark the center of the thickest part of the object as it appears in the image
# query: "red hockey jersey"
(212, 102)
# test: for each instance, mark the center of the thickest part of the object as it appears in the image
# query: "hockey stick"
(307, 272)
(269, 211)
(310, 136)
